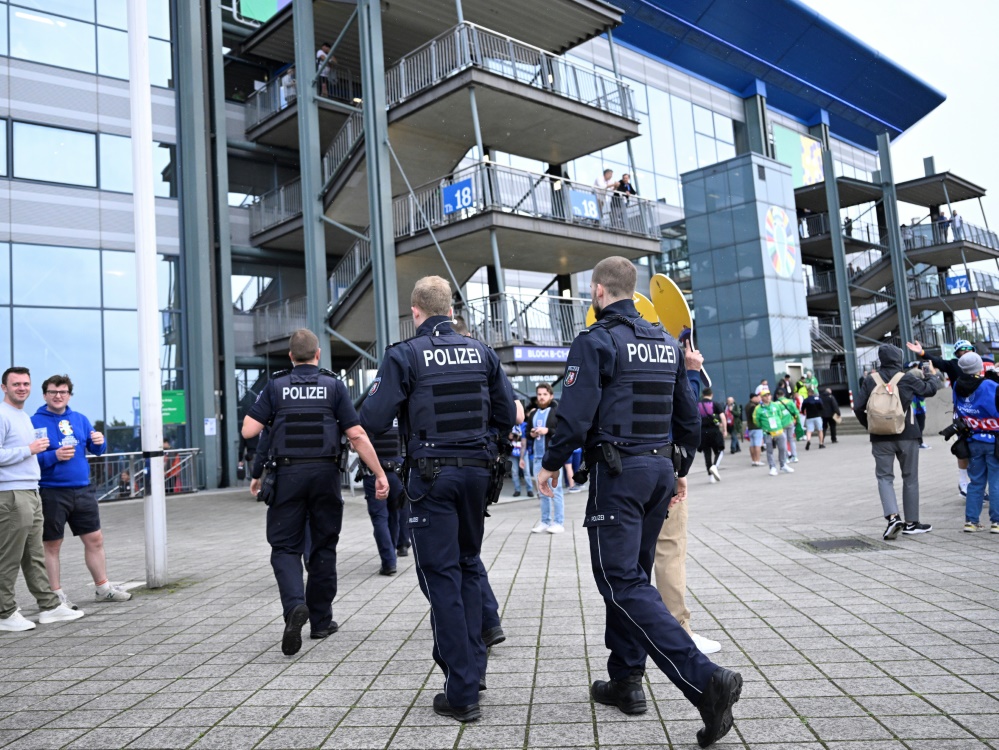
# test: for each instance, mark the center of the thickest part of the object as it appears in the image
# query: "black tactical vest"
(449, 406)
(636, 404)
(387, 445)
(304, 424)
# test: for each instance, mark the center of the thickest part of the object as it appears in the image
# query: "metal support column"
(381, 236)
(229, 429)
(617, 76)
(194, 158)
(310, 163)
(754, 103)
(839, 269)
(896, 251)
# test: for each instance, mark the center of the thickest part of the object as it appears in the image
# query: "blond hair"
(432, 295)
(617, 276)
(303, 345)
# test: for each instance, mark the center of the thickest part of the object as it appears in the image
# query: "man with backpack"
(884, 407)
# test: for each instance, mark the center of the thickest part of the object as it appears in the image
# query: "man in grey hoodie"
(904, 446)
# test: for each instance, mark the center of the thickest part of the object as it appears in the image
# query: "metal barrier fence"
(354, 264)
(542, 320)
(272, 208)
(277, 320)
(121, 476)
(936, 233)
(280, 93)
(486, 186)
(816, 225)
(343, 145)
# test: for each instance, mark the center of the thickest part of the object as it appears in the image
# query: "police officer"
(306, 409)
(625, 384)
(385, 514)
(451, 395)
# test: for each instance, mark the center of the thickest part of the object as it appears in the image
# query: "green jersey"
(768, 418)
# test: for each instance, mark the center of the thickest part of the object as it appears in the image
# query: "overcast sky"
(954, 47)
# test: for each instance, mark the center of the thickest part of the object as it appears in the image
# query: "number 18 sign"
(458, 196)
(584, 205)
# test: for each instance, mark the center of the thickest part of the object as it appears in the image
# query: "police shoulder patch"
(571, 373)
(374, 386)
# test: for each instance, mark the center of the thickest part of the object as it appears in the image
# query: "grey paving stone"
(101, 738)
(560, 735)
(294, 738)
(852, 728)
(361, 738)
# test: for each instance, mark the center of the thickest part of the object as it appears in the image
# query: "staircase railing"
(277, 206)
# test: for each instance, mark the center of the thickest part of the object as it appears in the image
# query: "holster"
(268, 486)
(497, 473)
(612, 457)
(678, 456)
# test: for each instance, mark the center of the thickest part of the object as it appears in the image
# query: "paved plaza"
(854, 650)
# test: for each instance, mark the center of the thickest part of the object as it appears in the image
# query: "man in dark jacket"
(829, 407)
(904, 446)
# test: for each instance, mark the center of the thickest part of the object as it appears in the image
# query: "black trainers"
(318, 635)
(291, 642)
(808, 444)
(493, 636)
(516, 493)
(387, 570)
(530, 493)
(895, 525)
(627, 694)
(460, 713)
(716, 704)
(915, 527)
(402, 552)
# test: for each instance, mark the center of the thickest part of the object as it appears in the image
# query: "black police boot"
(627, 694)
(716, 704)
(460, 713)
(318, 635)
(493, 636)
(402, 552)
(387, 570)
(291, 642)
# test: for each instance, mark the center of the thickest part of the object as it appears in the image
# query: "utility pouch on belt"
(429, 468)
(582, 474)
(344, 457)
(268, 486)
(612, 457)
(678, 455)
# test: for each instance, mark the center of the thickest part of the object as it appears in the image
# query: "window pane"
(4, 273)
(112, 13)
(41, 273)
(3, 145)
(119, 279)
(62, 341)
(3, 31)
(170, 354)
(167, 273)
(116, 163)
(703, 121)
(5, 334)
(723, 128)
(82, 9)
(683, 134)
(707, 154)
(52, 40)
(121, 349)
(164, 171)
(160, 70)
(121, 387)
(158, 18)
(112, 53)
(55, 155)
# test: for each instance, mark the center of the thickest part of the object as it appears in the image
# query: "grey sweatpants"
(907, 451)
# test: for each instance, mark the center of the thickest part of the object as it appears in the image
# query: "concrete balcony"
(530, 102)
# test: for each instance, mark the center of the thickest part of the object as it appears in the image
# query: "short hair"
(459, 326)
(58, 380)
(543, 387)
(707, 392)
(15, 371)
(303, 345)
(611, 171)
(617, 276)
(432, 295)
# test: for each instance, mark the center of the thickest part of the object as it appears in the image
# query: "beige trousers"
(21, 548)
(671, 564)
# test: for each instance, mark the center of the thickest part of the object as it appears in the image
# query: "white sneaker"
(556, 528)
(113, 594)
(62, 613)
(705, 645)
(539, 528)
(713, 471)
(757, 463)
(773, 471)
(16, 623)
(711, 478)
(785, 469)
(794, 459)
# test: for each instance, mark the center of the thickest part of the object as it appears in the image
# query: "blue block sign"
(584, 205)
(458, 196)
(540, 353)
(958, 283)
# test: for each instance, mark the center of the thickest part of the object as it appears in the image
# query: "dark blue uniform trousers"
(403, 538)
(385, 516)
(307, 498)
(624, 515)
(490, 607)
(447, 526)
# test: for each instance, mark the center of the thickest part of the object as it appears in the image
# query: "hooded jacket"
(66, 427)
(909, 386)
(965, 387)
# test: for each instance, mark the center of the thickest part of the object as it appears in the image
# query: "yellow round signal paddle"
(642, 303)
(672, 308)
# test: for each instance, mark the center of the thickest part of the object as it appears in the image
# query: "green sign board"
(260, 10)
(802, 152)
(174, 407)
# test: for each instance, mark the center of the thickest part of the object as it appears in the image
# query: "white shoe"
(713, 471)
(705, 645)
(794, 459)
(711, 478)
(773, 471)
(785, 469)
(757, 463)
(62, 613)
(719, 459)
(556, 528)
(113, 594)
(539, 527)
(16, 623)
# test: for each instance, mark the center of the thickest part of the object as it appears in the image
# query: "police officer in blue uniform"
(386, 514)
(306, 410)
(625, 385)
(450, 394)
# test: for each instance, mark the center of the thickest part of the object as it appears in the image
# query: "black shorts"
(76, 506)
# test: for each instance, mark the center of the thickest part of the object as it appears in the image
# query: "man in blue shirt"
(67, 494)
